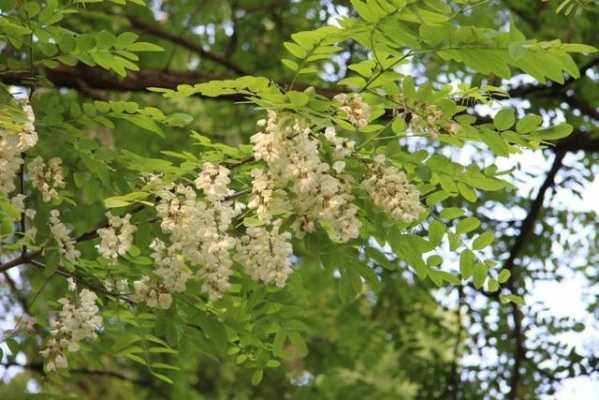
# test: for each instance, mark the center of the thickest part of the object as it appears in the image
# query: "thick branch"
(96, 78)
(155, 30)
(39, 368)
(22, 259)
(526, 229)
(533, 212)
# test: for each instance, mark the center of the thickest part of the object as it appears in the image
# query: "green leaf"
(492, 285)
(483, 240)
(296, 50)
(504, 275)
(468, 225)
(504, 119)
(143, 122)
(507, 298)
(467, 263)
(529, 123)
(125, 200)
(125, 39)
(298, 343)
(144, 47)
(162, 377)
(559, 131)
(399, 126)
(257, 377)
(451, 213)
(436, 231)
(298, 99)
(467, 192)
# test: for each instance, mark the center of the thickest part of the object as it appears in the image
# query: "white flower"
(47, 178)
(117, 239)
(294, 163)
(66, 245)
(266, 254)
(355, 108)
(266, 197)
(390, 189)
(342, 147)
(75, 322)
(72, 284)
(339, 166)
(214, 181)
(12, 144)
(170, 264)
(199, 231)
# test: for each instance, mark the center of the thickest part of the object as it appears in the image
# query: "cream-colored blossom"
(62, 235)
(297, 166)
(76, 322)
(200, 228)
(47, 178)
(214, 181)
(12, 144)
(117, 238)
(265, 254)
(355, 108)
(342, 147)
(390, 189)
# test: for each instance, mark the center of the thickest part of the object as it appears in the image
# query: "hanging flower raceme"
(355, 108)
(76, 322)
(265, 254)
(342, 147)
(390, 189)
(62, 235)
(47, 178)
(13, 142)
(214, 182)
(18, 202)
(116, 239)
(152, 293)
(170, 264)
(199, 227)
(293, 163)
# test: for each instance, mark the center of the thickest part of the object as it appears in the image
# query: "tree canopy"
(294, 199)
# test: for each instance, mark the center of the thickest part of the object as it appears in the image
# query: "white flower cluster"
(171, 267)
(62, 235)
(266, 254)
(12, 144)
(152, 293)
(76, 322)
(199, 227)
(355, 108)
(294, 163)
(47, 178)
(214, 182)
(116, 239)
(119, 286)
(390, 189)
(18, 202)
(266, 197)
(342, 147)
(172, 274)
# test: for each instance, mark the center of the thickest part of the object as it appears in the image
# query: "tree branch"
(154, 29)
(526, 229)
(528, 224)
(39, 368)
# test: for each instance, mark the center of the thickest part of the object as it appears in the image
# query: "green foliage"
(352, 314)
